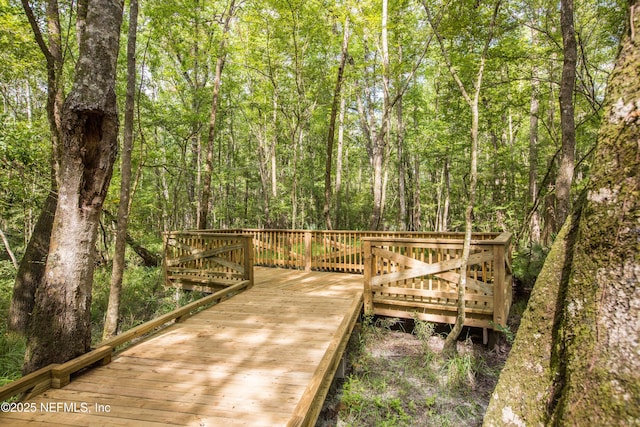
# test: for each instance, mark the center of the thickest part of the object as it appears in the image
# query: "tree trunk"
(382, 141)
(442, 213)
(534, 228)
(332, 125)
(449, 347)
(525, 384)
(567, 121)
(272, 150)
(8, 248)
(402, 166)
(375, 222)
(339, 156)
(113, 307)
(31, 270)
(208, 170)
(81, 19)
(575, 360)
(60, 328)
(416, 212)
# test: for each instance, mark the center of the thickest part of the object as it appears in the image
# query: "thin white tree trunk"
(113, 307)
(8, 248)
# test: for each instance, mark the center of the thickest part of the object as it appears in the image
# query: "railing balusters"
(489, 280)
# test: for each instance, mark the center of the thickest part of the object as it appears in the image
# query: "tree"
(32, 266)
(217, 81)
(332, 123)
(60, 328)
(567, 119)
(575, 359)
(534, 109)
(7, 247)
(472, 101)
(113, 308)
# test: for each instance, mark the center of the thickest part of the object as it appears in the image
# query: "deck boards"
(264, 357)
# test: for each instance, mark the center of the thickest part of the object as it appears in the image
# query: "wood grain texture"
(264, 357)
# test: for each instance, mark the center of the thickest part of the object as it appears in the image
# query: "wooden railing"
(207, 261)
(419, 278)
(324, 250)
(407, 274)
(59, 375)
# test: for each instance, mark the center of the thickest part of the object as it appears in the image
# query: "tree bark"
(60, 328)
(113, 306)
(576, 360)
(31, 270)
(534, 108)
(416, 212)
(208, 170)
(339, 160)
(567, 120)
(381, 141)
(8, 249)
(332, 125)
(272, 150)
(402, 164)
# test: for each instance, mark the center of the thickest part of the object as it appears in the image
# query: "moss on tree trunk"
(576, 360)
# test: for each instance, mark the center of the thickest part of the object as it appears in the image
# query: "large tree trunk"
(60, 328)
(567, 120)
(375, 223)
(576, 359)
(31, 269)
(113, 307)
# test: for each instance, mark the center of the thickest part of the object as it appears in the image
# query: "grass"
(400, 378)
(12, 346)
(143, 298)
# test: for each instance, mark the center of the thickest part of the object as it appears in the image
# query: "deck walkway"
(265, 357)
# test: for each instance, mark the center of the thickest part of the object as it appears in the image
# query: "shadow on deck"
(266, 356)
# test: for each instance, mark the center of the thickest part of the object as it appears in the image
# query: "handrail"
(408, 276)
(334, 250)
(203, 260)
(58, 375)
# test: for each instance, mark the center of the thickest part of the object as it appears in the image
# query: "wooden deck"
(265, 357)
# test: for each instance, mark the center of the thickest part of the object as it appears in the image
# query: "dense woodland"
(402, 115)
(257, 158)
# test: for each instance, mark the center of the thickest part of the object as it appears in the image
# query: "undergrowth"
(143, 298)
(400, 378)
(11, 345)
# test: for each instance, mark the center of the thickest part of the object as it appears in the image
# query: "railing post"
(307, 250)
(248, 259)
(499, 300)
(164, 258)
(368, 273)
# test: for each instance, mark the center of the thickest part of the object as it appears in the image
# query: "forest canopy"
(399, 108)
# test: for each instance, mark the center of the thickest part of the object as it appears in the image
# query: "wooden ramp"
(265, 357)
